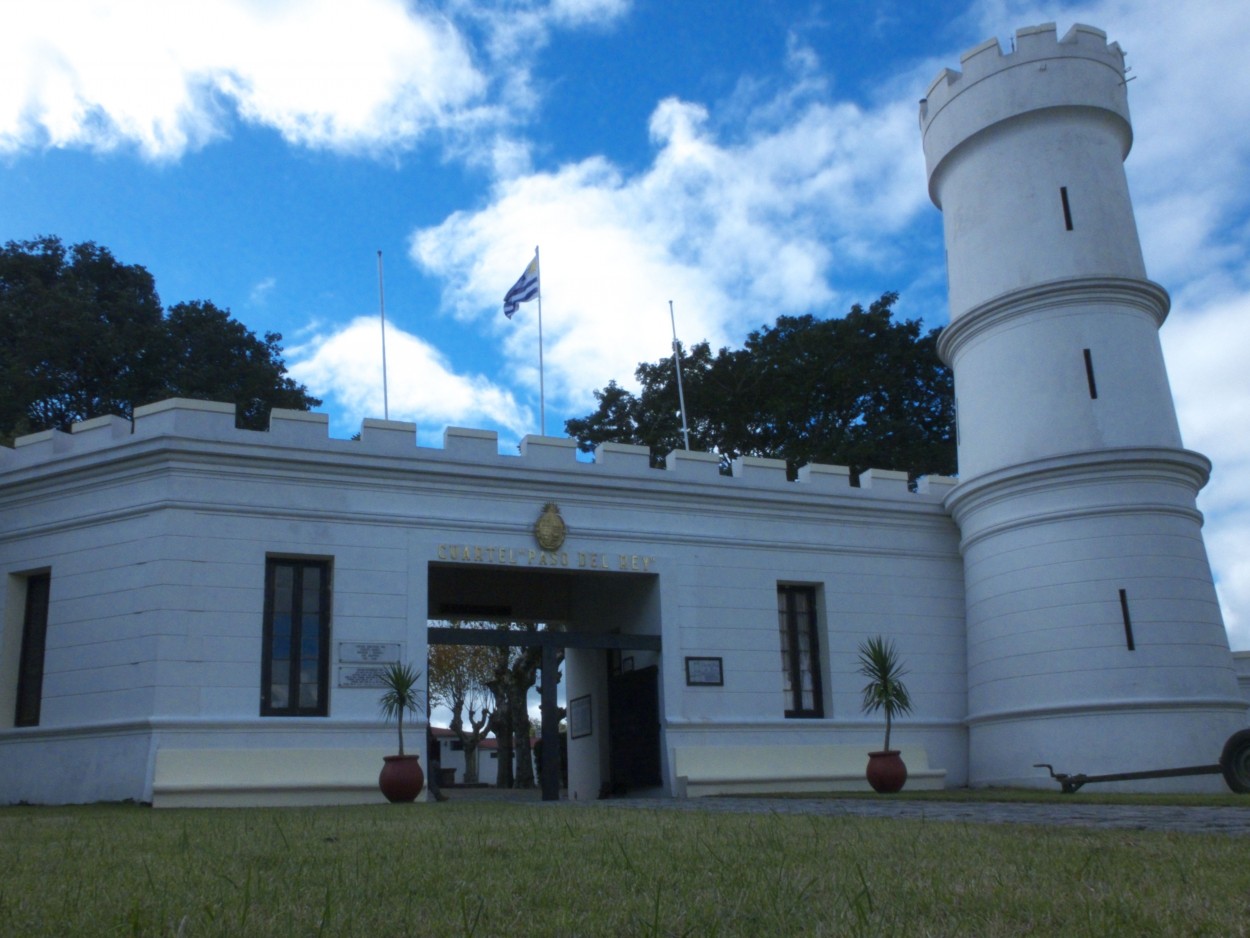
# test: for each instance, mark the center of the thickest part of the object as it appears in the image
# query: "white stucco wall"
(157, 541)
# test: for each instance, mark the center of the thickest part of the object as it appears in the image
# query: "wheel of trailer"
(1235, 761)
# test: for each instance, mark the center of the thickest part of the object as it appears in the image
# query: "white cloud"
(346, 362)
(163, 76)
(261, 290)
(734, 233)
(1206, 350)
(368, 76)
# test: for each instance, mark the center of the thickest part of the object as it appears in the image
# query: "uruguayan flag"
(523, 290)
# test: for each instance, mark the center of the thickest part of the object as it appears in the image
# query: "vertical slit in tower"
(1128, 621)
(1067, 209)
(1089, 376)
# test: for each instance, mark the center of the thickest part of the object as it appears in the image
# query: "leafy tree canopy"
(83, 335)
(865, 390)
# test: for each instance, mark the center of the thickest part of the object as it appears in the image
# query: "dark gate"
(634, 728)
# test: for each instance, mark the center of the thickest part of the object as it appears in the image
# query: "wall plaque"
(704, 672)
(368, 652)
(362, 676)
(579, 717)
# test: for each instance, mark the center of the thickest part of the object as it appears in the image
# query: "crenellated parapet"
(301, 433)
(1042, 71)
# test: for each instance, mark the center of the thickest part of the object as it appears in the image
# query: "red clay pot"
(886, 772)
(401, 778)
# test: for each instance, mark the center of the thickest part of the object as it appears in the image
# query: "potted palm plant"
(885, 690)
(401, 779)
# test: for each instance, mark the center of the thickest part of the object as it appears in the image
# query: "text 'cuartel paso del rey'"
(531, 557)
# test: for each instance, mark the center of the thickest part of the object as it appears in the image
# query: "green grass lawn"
(501, 869)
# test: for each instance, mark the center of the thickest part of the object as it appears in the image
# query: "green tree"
(460, 676)
(83, 335)
(864, 390)
(78, 334)
(211, 356)
(516, 671)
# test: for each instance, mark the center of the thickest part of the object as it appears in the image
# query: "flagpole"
(386, 408)
(542, 391)
(681, 396)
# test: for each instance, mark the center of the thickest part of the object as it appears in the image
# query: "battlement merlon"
(1081, 70)
(300, 433)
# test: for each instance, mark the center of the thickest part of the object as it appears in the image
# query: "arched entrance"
(606, 617)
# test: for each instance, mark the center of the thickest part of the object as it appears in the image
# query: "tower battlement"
(1081, 69)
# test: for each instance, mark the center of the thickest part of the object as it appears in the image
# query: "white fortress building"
(193, 614)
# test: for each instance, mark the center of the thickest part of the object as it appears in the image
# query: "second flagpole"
(542, 391)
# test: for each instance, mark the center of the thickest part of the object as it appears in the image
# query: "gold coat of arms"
(549, 529)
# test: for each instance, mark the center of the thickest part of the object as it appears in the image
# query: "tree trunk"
(470, 738)
(523, 675)
(470, 763)
(501, 726)
(524, 751)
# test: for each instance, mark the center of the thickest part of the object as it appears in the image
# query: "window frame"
(299, 565)
(790, 628)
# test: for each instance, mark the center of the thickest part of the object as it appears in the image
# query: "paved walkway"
(1191, 820)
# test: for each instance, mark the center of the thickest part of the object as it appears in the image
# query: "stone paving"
(1234, 821)
(1191, 820)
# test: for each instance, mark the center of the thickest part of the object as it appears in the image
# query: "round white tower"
(1094, 636)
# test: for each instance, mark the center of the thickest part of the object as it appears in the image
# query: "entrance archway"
(608, 612)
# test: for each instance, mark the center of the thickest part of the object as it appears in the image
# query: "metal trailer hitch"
(1234, 764)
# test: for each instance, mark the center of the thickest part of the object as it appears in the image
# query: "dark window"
(1067, 209)
(800, 650)
(295, 665)
(34, 642)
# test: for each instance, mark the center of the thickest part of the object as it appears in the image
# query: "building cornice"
(1051, 477)
(1072, 295)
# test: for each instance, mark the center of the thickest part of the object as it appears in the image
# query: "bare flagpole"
(542, 392)
(681, 396)
(386, 407)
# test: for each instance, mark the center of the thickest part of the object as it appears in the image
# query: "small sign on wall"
(367, 662)
(366, 676)
(368, 652)
(579, 717)
(704, 672)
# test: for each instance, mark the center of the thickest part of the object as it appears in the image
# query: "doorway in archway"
(596, 619)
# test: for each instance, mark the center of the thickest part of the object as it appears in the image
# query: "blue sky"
(740, 159)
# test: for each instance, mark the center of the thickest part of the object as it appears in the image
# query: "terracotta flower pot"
(886, 772)
(401, 778)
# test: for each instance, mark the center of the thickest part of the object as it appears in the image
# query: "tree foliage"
(212, 356)
(83, 335)
(399, 695)
(865, 390)
(516, 671)
(460, 677)
(879, 661)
